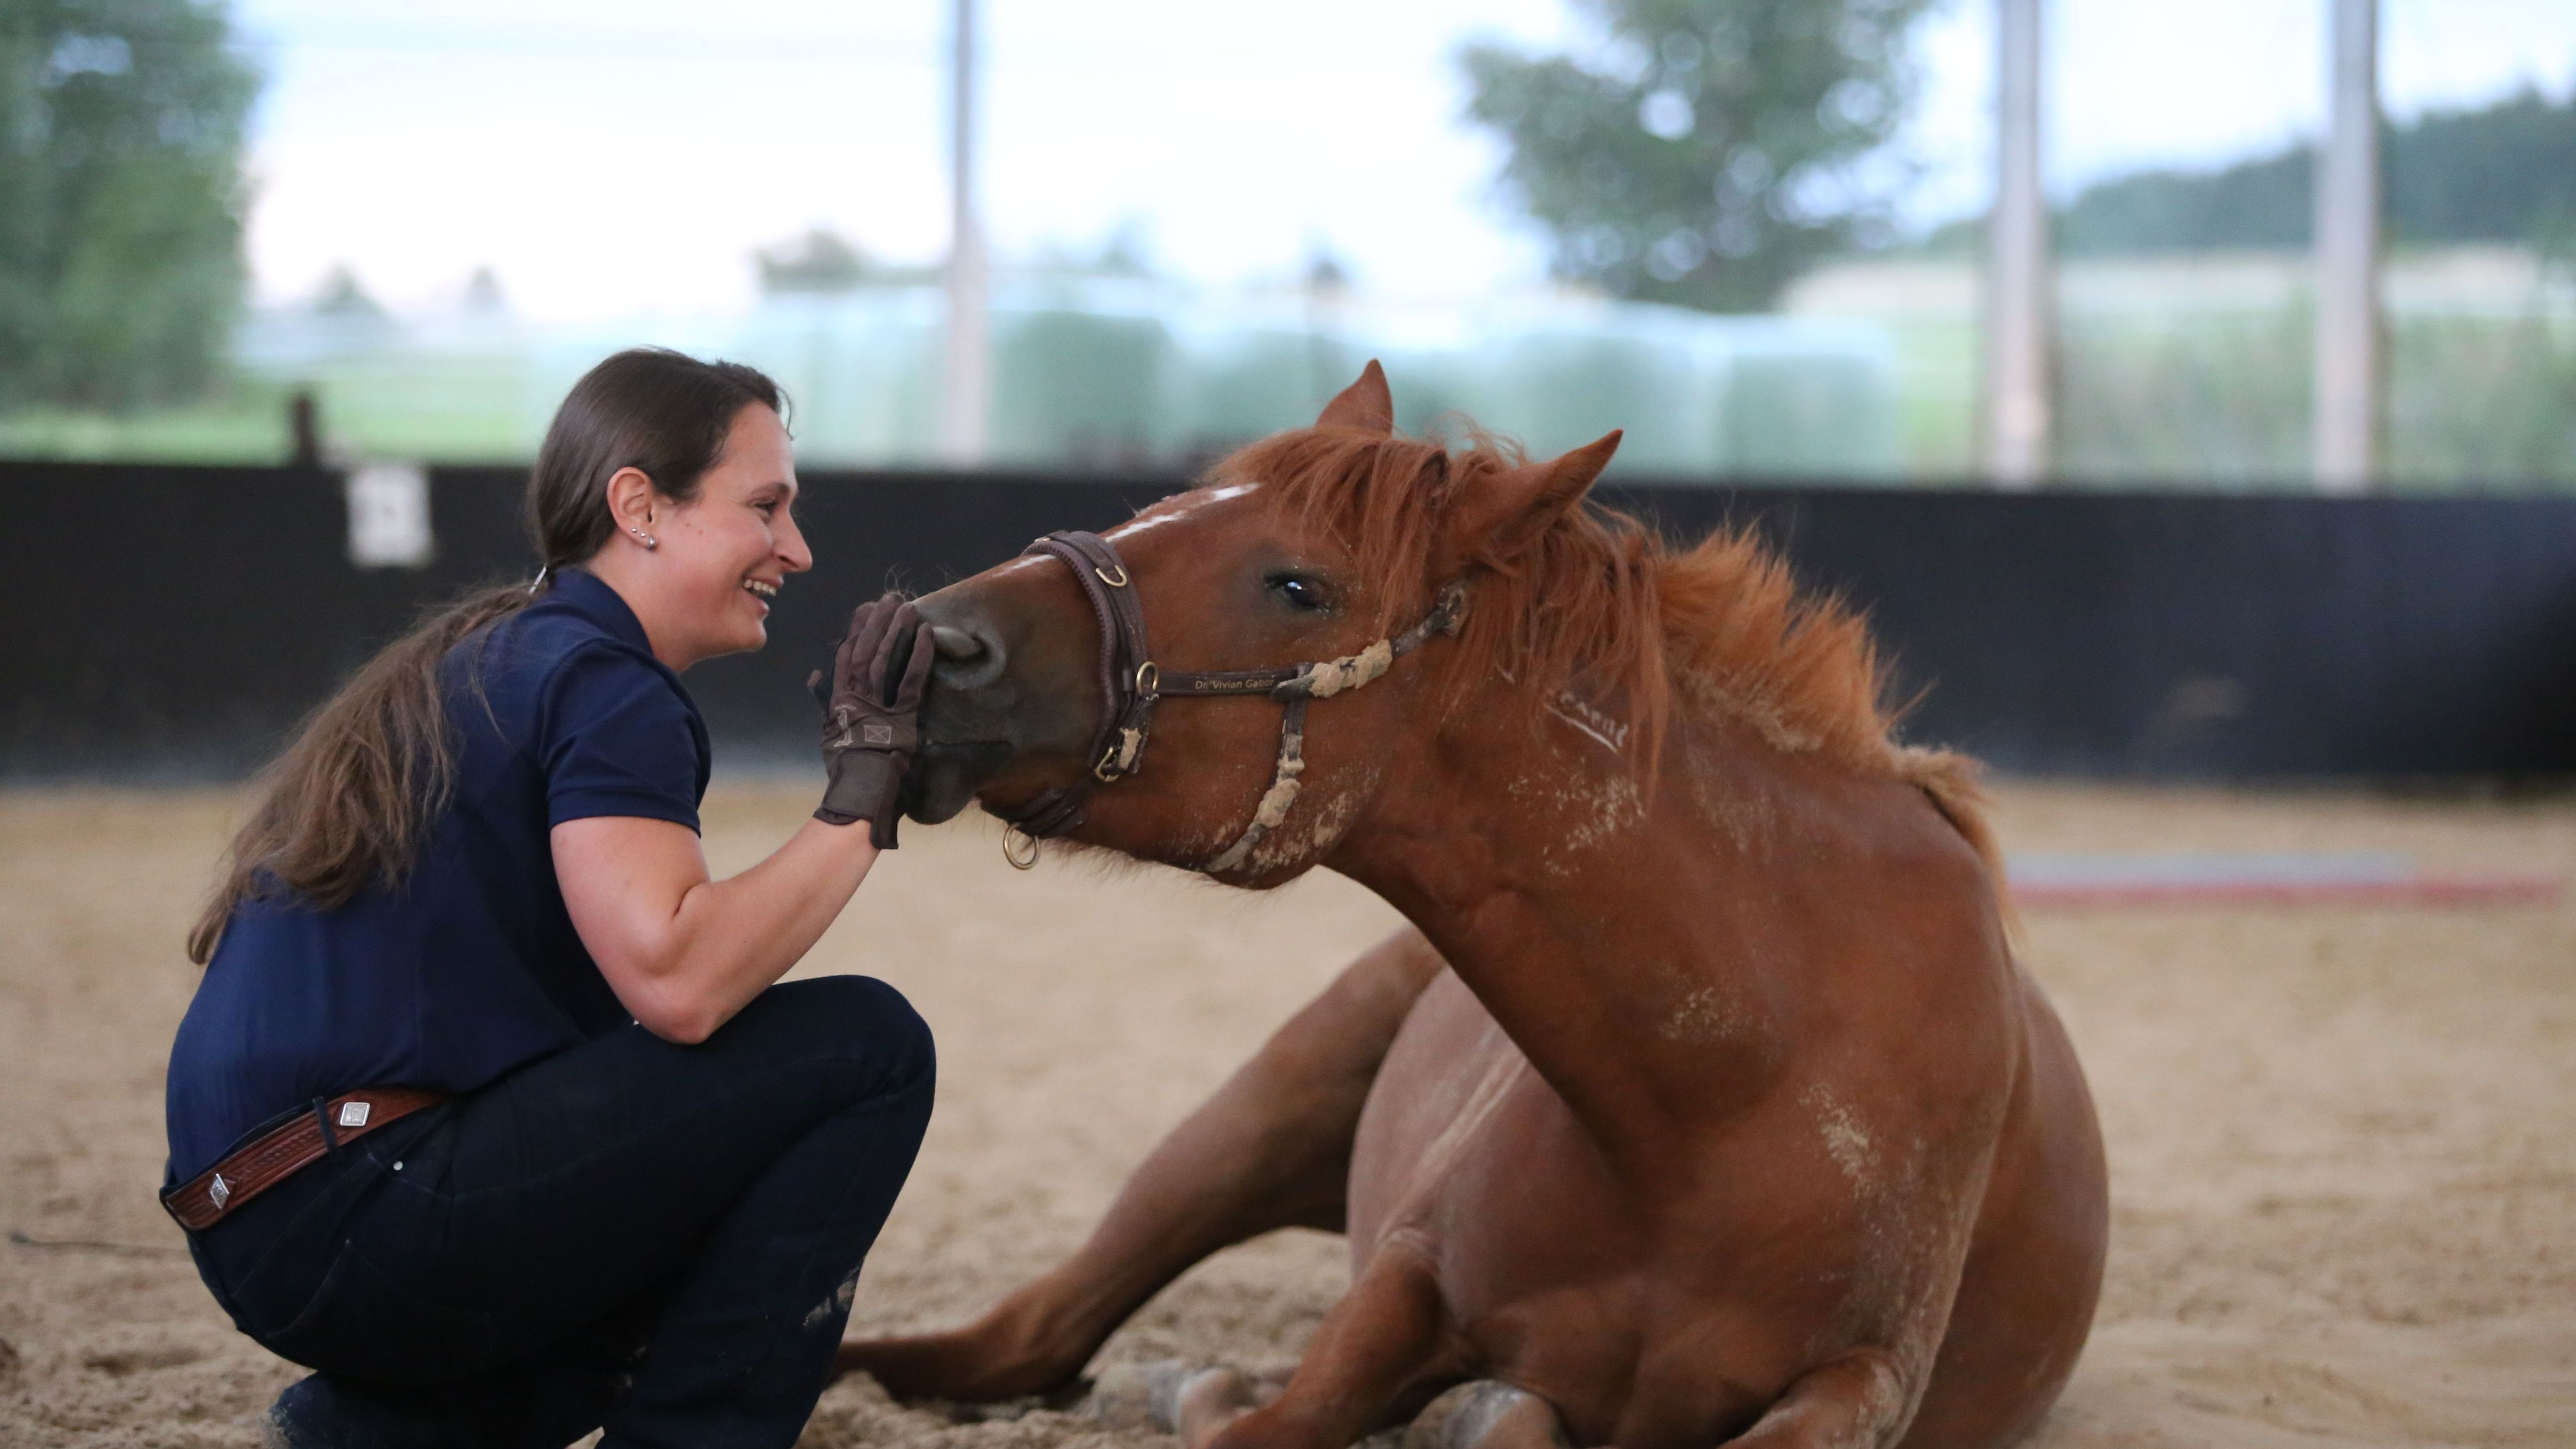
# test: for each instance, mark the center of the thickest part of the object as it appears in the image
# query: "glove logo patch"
(876, 734)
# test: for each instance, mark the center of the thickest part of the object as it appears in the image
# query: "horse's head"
(1331, 543)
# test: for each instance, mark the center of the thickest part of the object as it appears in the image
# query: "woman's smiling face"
(717, 560)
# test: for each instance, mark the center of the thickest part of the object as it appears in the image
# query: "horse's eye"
(1302, 594)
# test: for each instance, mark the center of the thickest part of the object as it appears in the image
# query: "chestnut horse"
(1705, 1102)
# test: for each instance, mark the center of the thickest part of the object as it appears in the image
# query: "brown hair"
(350, 800)
(1598, 602)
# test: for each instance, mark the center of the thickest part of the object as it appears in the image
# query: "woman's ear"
(631, 501)
(1502, 513)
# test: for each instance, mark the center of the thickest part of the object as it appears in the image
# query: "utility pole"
(2018, 315)
(965, 375)
(2346, 421)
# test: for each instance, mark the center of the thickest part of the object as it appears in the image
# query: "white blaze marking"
(1214, 495)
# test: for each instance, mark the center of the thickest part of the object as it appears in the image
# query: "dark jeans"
(660, 1239)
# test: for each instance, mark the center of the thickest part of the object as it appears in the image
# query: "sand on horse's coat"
(2343, 1143)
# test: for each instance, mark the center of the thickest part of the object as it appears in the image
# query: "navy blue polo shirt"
(470, 967)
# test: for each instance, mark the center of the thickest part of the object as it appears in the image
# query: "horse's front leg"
(1271, 1149)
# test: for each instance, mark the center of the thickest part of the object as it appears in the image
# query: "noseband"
(1132, 686)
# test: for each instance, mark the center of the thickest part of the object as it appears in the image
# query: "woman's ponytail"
(352, 798)
(345, 805)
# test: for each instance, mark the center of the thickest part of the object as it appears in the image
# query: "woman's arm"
(685, 952)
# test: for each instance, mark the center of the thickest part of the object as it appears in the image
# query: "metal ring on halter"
(1148, 678)
(1119, 582)
(1019, 860)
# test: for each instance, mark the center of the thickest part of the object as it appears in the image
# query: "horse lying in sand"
(1704, 1103)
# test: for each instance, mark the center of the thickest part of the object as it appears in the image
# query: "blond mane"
(1600, 605)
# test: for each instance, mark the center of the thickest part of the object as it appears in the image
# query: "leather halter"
(1132, 685)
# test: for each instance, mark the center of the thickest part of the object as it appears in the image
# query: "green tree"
(1711, 150)
(121, 199)
(823, 261)
(819, 261)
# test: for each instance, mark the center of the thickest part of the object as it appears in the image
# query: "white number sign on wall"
(389, 516)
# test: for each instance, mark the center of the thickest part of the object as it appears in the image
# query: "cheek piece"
(1132, 685)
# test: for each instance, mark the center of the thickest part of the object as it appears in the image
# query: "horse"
(1701, 1101)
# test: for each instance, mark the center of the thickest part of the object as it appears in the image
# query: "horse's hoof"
(1139, 1395)
(1486, 1414)
(1168, 1395)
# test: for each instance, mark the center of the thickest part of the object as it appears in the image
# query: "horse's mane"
(1599, 605)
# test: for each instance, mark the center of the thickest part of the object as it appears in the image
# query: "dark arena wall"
(177, 621)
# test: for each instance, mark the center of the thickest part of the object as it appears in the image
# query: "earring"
(647, 538)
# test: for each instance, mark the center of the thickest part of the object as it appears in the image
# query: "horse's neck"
(1630, 946)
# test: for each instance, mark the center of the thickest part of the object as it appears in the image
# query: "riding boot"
(542, 1409)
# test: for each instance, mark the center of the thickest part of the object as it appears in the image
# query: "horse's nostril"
(955, 644)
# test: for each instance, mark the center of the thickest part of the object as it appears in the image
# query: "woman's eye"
(1300, 593)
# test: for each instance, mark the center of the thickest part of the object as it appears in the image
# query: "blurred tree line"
(823, 261)
(121, 199)
(2473, 400)
(2500, 173)
(1711, 149)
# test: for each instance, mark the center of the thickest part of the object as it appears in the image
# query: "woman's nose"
(793, 555)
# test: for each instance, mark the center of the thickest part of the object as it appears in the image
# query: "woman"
(488, 1108)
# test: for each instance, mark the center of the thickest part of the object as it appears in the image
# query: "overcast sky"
(617, 157)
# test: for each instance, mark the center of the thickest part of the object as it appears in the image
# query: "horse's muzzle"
(991, 700)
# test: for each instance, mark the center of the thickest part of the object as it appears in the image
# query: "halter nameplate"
(1131, 684)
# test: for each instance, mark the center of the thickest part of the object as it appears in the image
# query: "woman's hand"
(871, 720)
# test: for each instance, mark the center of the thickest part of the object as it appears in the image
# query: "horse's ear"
(1365, 405)
(1509, 509)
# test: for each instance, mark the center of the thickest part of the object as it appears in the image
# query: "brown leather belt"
(209, 1197)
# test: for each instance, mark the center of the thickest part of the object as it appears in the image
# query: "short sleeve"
(619, 739)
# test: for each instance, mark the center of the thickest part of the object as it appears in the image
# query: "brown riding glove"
(871, 715)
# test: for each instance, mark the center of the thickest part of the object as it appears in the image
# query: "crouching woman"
(489, 1107)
